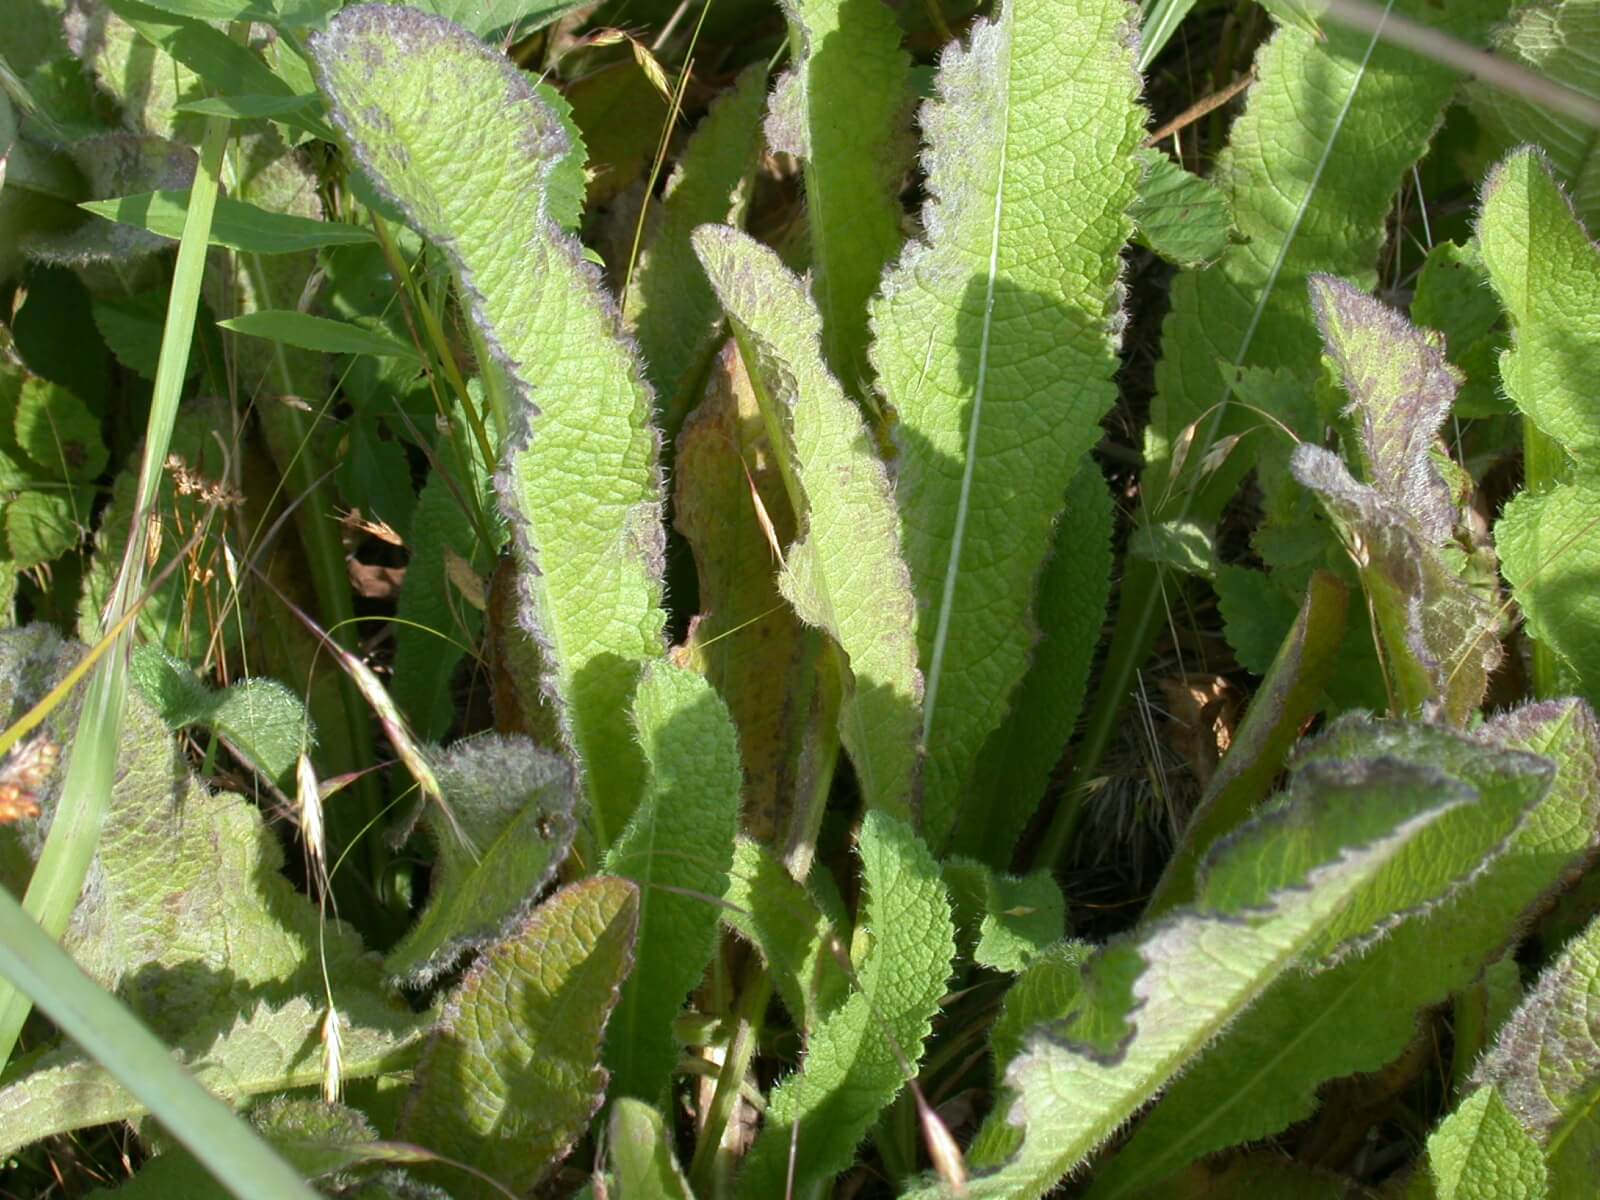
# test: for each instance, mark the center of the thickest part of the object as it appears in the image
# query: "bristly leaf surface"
(996, 345)
(457, 137)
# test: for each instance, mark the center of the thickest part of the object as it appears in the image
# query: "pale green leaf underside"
(1269, 897)
(678, 849)
(1264, 1073)
(1479, 1152)
(457, 136)
(844, 574)
(852, 1068)
(995, 347)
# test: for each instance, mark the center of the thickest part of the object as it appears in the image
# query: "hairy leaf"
(1183, 218)
(1454, 297)
(842, 109)
(670, 305)
(579, 484)
(844, 573)
(1479, 1152)
(515, 805)
(996, 347)
(1548, 545)
(1074, 589)
(1546, 271)
(512, 1076)
(1263, 1075)
(861, 1054)
(797, 938)
(678, 849)
(1546, 1064)
(261, 1050)
(1151, 1001)
(1002, 921)
(641, 1153)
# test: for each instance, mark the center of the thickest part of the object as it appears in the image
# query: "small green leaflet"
(318, 333)
(237, 225)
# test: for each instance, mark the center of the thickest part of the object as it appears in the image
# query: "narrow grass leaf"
(238, 225)
(858, 1058)
(843, 109)
(641, 1153)
(670, 305)
(1264, 1073)
(1479, 1152)
(996, 346)
(578, 482)
(318, 333)
(678, 849)
(844, 573)
(1546, 1064)
(516, 804)
(511, 1077)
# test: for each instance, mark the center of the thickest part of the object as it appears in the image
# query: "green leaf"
(641, 1154)
(1311, 169)
(1546, 1064)
(1546, 271)
(485, 16)
(1151, 1000)
(1018, 758)
(512, 1076)
(1551, 558)
(746, 640)
(1454, 297)
(514, 802)
(780, 916)
(248, 108)
(1479, 1152)
(843, 110)
(41, 526)
(858, 1058)
(1264, 1073)
(1003, 921)
(435, 625)
(844, 573)
(1557, 41)
(237, 225)
(1183, 218)
(584, 509)
(131, 326)
(58, 432)
(318, 333)
(678, 849)
(670, 304)
(268, 1048)
(995, 346)
(261, 718)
